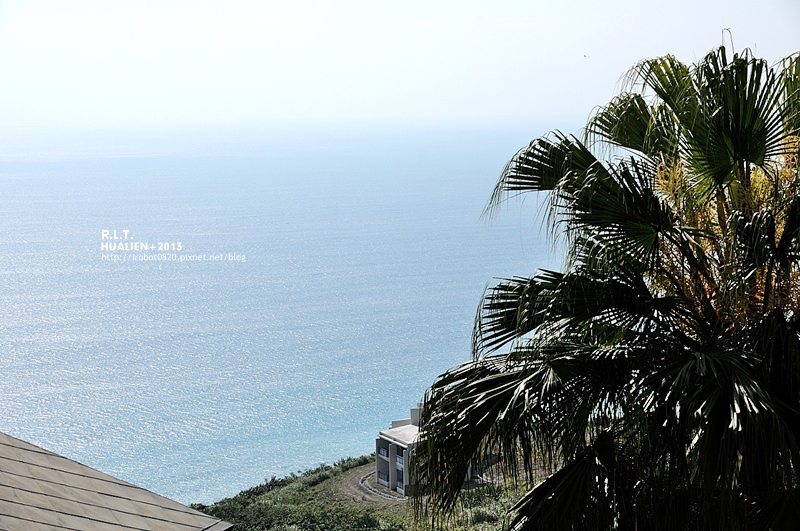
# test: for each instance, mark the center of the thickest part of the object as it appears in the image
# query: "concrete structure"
(393, 449)
(40, 490)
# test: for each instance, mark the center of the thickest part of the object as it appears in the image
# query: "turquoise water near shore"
(340, 275)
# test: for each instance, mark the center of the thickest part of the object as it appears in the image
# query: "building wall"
(392, 464)
(382, 461)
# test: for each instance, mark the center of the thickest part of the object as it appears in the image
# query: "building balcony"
(383, 452)
(400, 460)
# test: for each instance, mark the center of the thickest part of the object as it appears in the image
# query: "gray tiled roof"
(40, 490)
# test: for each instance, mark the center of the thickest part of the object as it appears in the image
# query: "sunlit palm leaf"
(791, 88)
(630, 122)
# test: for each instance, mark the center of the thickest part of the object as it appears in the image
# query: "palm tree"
(658, 376)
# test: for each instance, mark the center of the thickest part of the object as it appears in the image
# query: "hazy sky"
(176, 63)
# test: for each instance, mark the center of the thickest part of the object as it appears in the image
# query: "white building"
(393, 449)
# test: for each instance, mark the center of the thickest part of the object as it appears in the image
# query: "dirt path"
(366, 484)
(359, 484)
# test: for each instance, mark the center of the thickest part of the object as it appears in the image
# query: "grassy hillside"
(345, 497)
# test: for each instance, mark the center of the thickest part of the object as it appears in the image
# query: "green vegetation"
(659, 373)
(308, 501)
(329, 498)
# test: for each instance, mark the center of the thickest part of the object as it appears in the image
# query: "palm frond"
(659, 372)
(575, 497)
(630, 122)
(547, 163)
(790, 79)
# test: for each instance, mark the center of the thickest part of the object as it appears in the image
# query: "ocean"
(299, 290)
